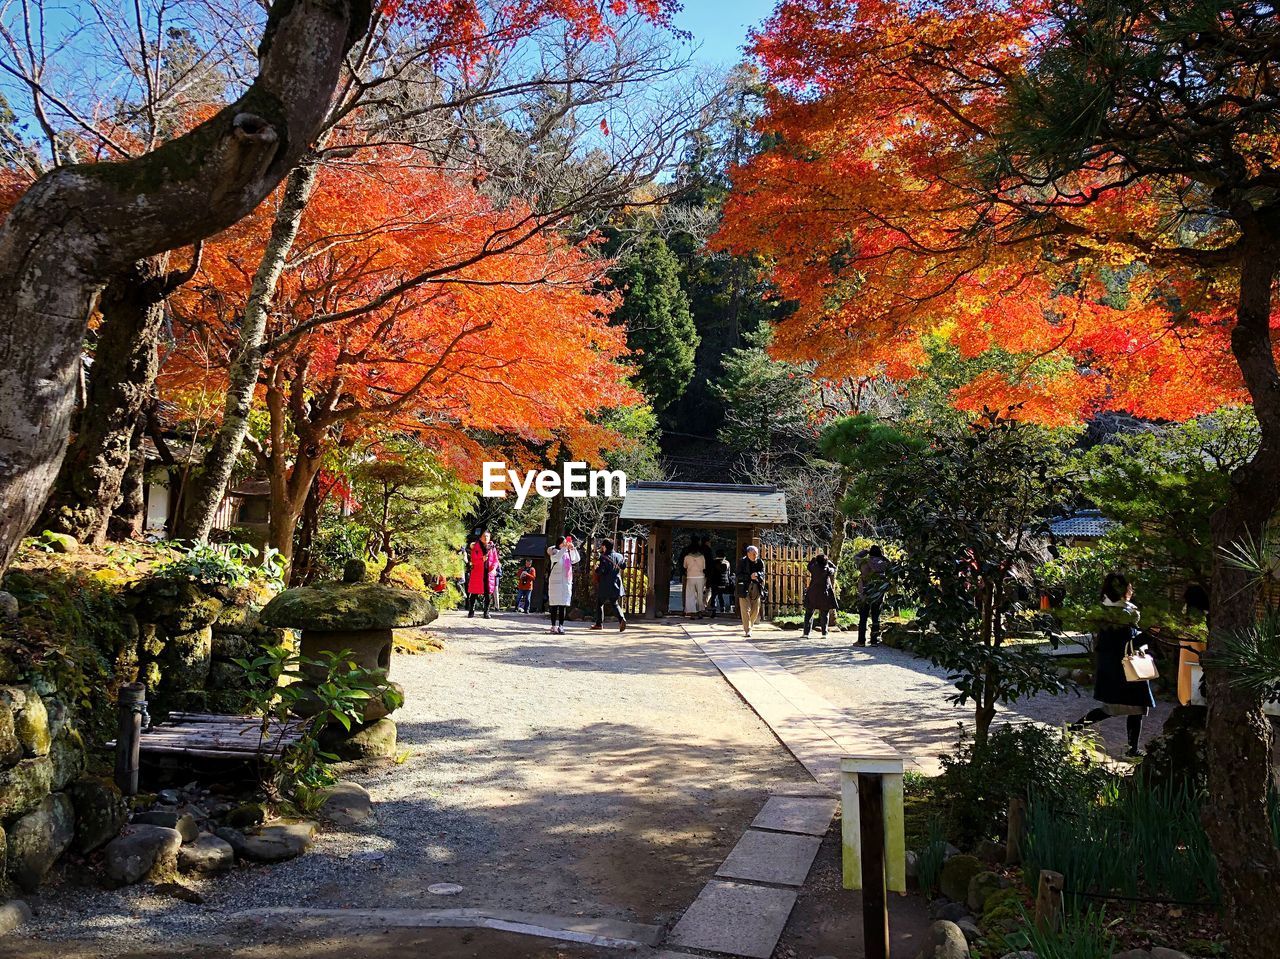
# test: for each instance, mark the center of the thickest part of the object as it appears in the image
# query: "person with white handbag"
(1125, 669)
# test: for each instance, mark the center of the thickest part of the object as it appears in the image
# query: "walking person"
(751, 588)
(873, 583)
(695, 581)
(1115, 637)
(709, 565)
(721, 580)
(609, 586)
(820, 594)
(564, 556)
(482, 575)
(525, 581)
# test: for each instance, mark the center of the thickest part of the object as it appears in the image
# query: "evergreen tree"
(660, 328)
(769, 406)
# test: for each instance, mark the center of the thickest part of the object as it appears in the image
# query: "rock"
(956, 873)
(343, 607)
(278, 842)
(991, 852)
(10, 748)
(1000, 898)
(949, 852)
(67, 757)
(100, 812)
(355, 571)
(142, 851)
(23, 786)
(247, 816)
(35, 841)
(1163, 952)
(1132, 954)
(30, 719)
(1024, 954)
(60, 542)
(347, 804)
(176, 606)
(944, 941)
(179, 891)
(951, 911)
(186, 658)
(376, 741)
(8, 606)
(13, 914)
(184, 823)
(207, 855)
(981, 887)
(1177, 757)
(170, 797)
(913, 864)
(970, 929)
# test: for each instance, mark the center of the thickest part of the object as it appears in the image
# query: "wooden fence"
(786, 572)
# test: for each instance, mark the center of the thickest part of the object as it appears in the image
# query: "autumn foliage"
(507, 334)
(897, 210)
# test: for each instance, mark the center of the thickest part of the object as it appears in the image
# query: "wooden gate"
(786, 571)
(635, 576)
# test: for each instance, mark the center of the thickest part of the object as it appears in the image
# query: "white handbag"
(1138, 665)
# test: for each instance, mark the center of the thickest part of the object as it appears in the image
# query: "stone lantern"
(353, 616)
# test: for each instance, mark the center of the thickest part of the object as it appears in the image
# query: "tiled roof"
(1082, 524)
(712, 504)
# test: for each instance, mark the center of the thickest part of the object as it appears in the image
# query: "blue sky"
(720, 26)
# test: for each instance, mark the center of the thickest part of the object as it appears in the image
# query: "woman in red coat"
(482, 579)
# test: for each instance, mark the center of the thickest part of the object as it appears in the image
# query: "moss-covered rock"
(60, 542)
(23, 786)
(10, 748)
(30, 718)
(177, 606)
(184, 663)
(981, 887)
(68, 758)
(348, 606)
(100, 812)
(956, 873)
(36, 840)
(375, 741)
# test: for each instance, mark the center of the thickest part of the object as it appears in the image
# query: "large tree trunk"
(79, 226)
(205, 491)
(1238, 733)
(128, 519)
(121, 382)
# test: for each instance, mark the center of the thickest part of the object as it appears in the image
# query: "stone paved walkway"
(905, 699)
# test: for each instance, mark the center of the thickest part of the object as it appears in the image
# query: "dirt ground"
(393, 944)
(827, 919)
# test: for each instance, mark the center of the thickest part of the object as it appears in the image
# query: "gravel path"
(905, 698)
(596, 773)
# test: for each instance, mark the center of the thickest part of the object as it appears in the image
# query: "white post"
(889, 769)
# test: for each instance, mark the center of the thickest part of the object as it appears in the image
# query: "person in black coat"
(720, 576)
(609, 585)
(751, 588)
(1115, 630)
(820, 594)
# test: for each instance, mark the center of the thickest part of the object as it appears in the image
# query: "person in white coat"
(564, 556)
(695, 582)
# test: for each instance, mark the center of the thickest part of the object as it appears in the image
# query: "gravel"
(595, 774)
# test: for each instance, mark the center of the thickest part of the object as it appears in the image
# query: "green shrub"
(1082, 936)
(977, 782)
(229, 564)
(932, 856)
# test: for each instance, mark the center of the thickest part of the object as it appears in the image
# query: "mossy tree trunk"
(121, 384)
(80, 226)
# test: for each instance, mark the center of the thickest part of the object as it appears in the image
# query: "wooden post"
(875, 903)
(1049, 900)
(132, 704)
(1017, 829)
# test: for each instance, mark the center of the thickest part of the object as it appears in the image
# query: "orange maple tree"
(1085, 195)
(513, 343)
